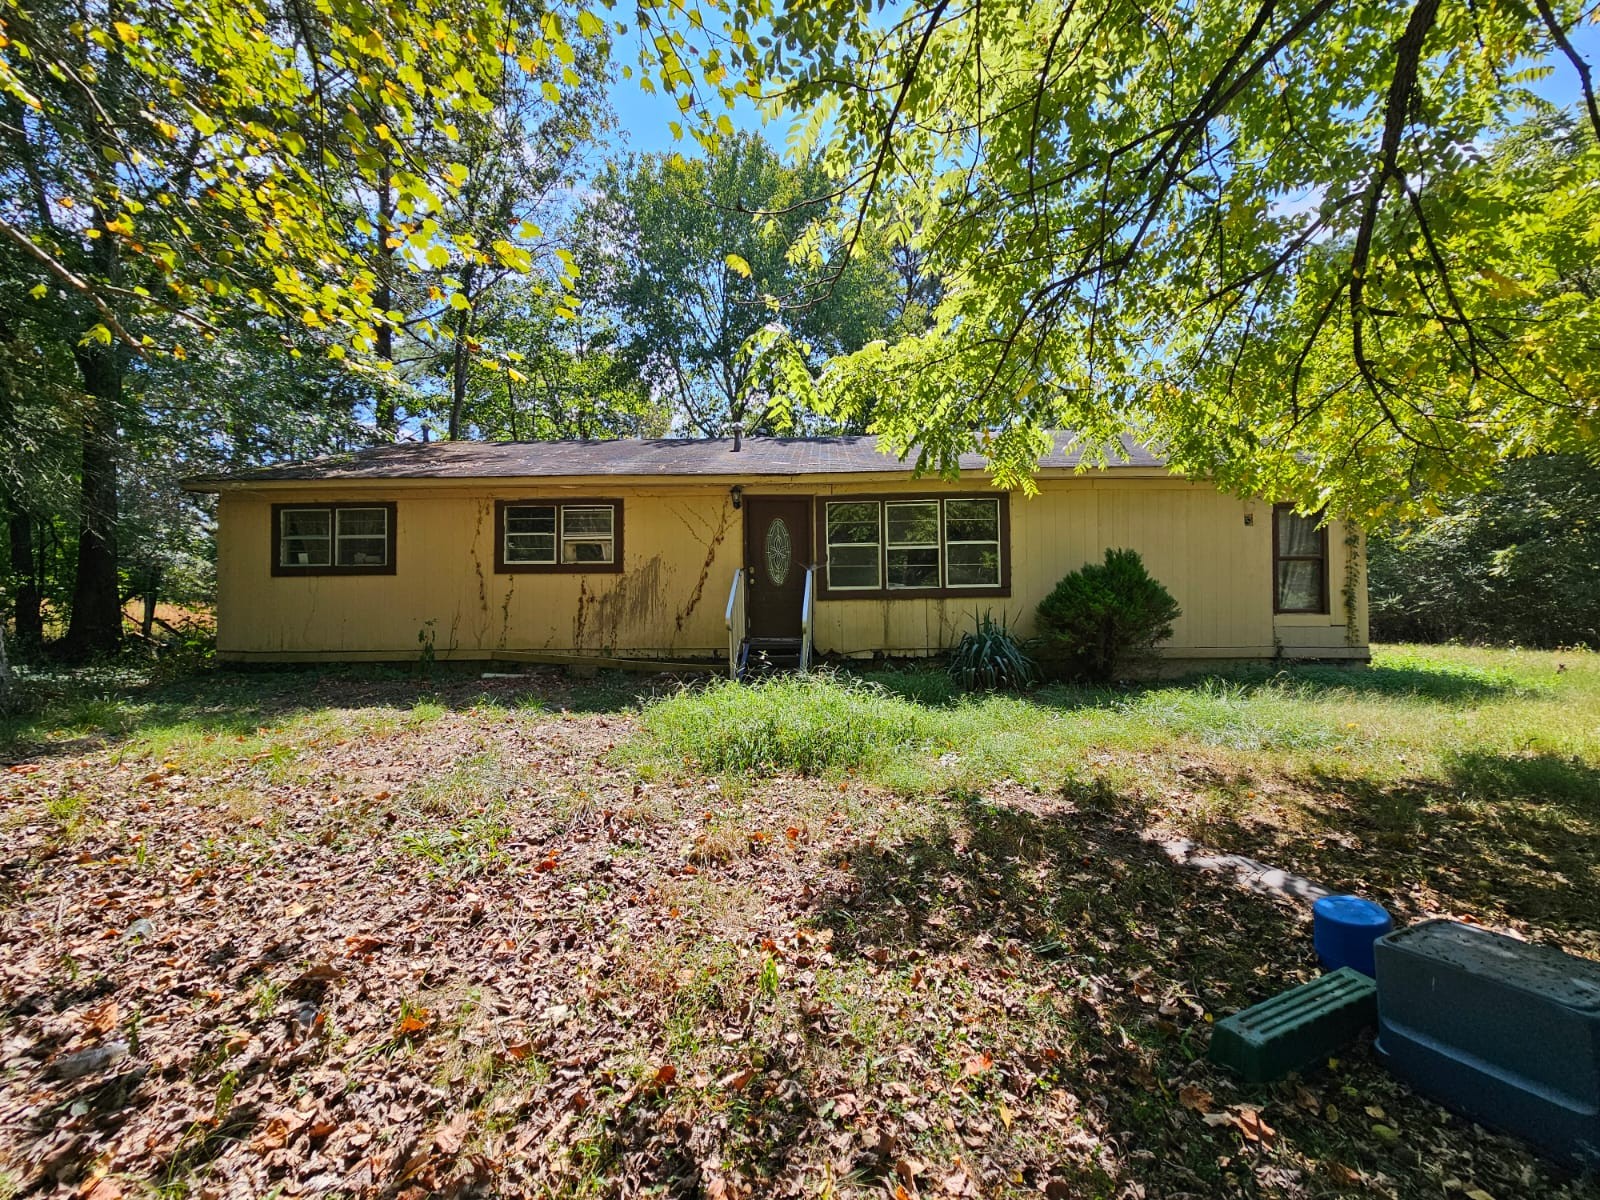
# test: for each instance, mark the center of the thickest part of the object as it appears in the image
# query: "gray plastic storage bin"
(1502, 1031)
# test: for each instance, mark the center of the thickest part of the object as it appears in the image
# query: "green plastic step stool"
(1296, 1028)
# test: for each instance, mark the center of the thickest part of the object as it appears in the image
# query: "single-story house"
(680, 549)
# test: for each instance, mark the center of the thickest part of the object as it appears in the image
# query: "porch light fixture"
(736, 494)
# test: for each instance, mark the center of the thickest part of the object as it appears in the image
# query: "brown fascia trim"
(289, 570)
(887, 593)
(614, 567)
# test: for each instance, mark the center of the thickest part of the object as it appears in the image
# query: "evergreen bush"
(1102, 618)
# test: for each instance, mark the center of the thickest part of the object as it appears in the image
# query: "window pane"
(577, 521)
(852, 566)
(588, 550)
(913, 524)
(531, 518)
(305, 522)
(853, 522)
(305, 552)
(914, 568)
(367, 522)
(1298, 535)
(1300, 586)
(972, 520)
(363, 551)
(305, 538)
(975, 564)
(531, 547)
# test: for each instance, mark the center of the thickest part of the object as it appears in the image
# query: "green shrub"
(1101, 618)
(989, 658)
(809, 724)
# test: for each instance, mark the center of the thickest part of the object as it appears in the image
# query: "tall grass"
(1414, 714)
(811, 724)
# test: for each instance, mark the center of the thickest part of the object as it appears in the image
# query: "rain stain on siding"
(717, 538)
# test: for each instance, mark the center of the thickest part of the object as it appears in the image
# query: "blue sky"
(642, 119)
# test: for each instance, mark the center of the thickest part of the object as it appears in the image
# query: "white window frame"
(340, 537)
(555, 537)
(936, 546)
(828, 544)
(945, 542)
(284, 536)
(610, 538)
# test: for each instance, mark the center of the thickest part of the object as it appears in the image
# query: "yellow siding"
(682, 542)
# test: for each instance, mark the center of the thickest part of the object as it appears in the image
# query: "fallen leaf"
(1195, 1098)
(448, 1138)
(977, 1064)
(102, 1018)
(1253, 1127)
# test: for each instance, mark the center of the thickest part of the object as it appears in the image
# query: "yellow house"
(698, 550)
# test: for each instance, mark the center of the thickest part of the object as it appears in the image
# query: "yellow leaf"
(737, 265)
(126, 32)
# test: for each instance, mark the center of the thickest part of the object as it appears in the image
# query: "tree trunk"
(96, 624)
(460, 355)
(5, 672)
(386, 413)
(29, 602)
(152, 585)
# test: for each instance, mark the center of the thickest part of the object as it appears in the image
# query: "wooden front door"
(777, 550)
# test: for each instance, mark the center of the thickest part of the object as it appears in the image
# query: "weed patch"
(809, 725)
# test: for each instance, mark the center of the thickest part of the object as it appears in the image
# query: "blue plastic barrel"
(1343, 930)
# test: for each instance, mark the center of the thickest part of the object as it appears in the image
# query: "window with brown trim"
(347, 538)
(910, 546)
(1299, 562)
(558, 535)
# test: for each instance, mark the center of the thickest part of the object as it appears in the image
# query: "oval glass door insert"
(780, 551)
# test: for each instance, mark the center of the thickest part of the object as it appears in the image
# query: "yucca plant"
(990, 658)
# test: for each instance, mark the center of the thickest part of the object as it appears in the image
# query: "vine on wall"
(1352, 582)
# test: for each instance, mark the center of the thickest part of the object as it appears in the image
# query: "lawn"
(368, 933)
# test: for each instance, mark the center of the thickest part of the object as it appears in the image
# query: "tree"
(165, 167)
(567, 380)
(1513, 565)
(691, 274)
(1280, 242)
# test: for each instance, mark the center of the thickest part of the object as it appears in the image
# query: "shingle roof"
(631, 456)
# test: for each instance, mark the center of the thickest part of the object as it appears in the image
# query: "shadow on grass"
(1441, 683)
(1035, 898)
(75, 712)
(1497, 836)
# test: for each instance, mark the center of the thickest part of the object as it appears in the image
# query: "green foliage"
(809, 724)
(701, 254)
(1102, 617)
(1317, 250)
(989, 659)
(1512, 565)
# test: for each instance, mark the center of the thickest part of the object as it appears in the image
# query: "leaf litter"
(477, 955)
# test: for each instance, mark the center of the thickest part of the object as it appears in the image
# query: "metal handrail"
(734, 617)
(806, 606)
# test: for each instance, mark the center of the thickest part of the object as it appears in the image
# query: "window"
(1300, 562)
(913, 544)
(549, 535)
(333, 539)
(926, 546)
(972, 540)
